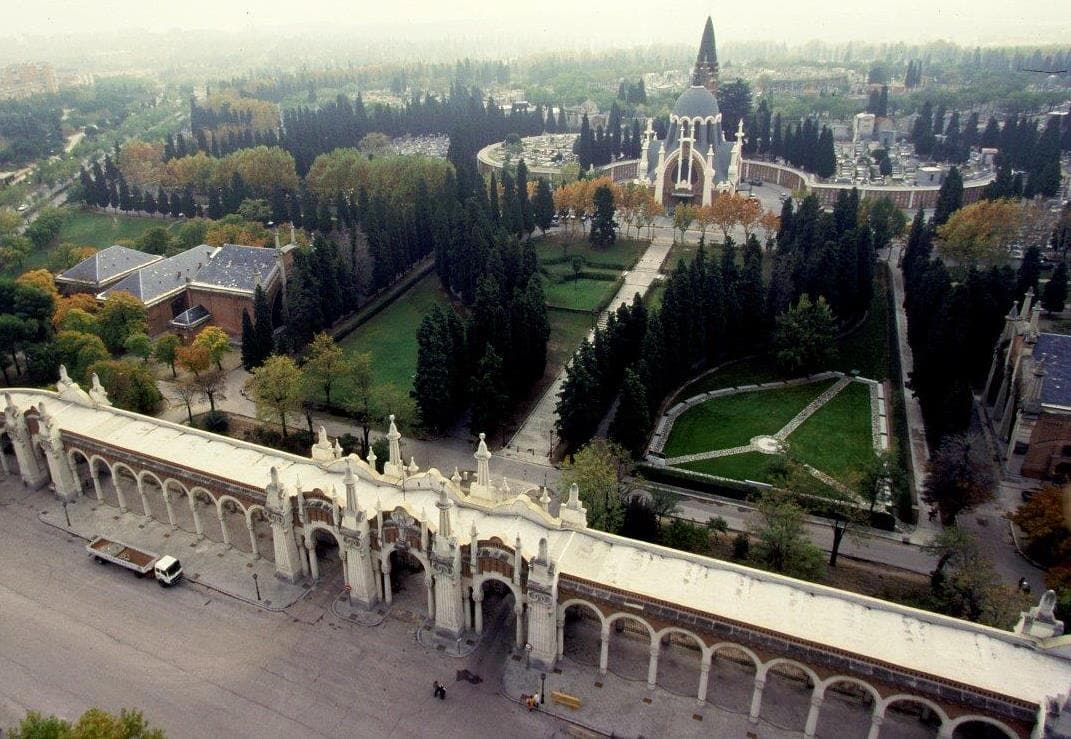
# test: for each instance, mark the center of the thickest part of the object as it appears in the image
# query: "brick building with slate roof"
(103, 269)
(200, 286)
(1028, 395)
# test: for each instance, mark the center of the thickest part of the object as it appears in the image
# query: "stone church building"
(1028, 395)
(694, 161)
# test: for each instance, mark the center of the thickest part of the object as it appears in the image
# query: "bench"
(565, 699)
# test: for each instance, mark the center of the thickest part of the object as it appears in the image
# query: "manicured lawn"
(734, 420)
(837, 437)
(867, 348)
(622, 254)
(744, 372)
(390, 335)
(567, 330)
(582, 294)
(86, 228)
(748, 466)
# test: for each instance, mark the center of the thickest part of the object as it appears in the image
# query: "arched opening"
(581, 634)
(211, 525)
(125, 489)
(328, 557)
(180, 506)
(679, 662)
(409, 591)
(732, 678)
(154, 496)
(261, 528)
(629, 651)
(234, 519)
(83, 477)
(494, 611)
(910, 718)
(847, 708)
(980, 728)
(11, 462)
(39, 454)
(786, 698)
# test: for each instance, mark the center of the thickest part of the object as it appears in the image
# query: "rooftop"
(235, 267)
(1054, 353)
(164, 276)
(107, 264)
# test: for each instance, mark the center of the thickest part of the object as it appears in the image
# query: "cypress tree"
(633, 417)
(1055, 293)
(949, 197)
(527, 218)
(543, 205)
(249, 342)
(603, 229)
(265, 342)
(488, 391)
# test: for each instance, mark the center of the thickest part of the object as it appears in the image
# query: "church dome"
(696, 102)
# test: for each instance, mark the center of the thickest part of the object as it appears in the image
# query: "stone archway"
(408, 583)
(82, 471)
(979, 727)
(911, 717)
(153, 490)
(10, 462)
(580, 632)
(680, 662)
(325, 552)
(260, 533)
(786, 695)
(848, 706)
(206, 510)
(124, 485)
(232, 518)
(628, 649)
(495, 610)
(733, 671)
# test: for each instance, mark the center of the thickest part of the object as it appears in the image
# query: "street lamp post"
(66, 514)
(527, 655)
(256, 585)
(542, 688)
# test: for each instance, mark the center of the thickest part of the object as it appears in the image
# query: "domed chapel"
(695, 160)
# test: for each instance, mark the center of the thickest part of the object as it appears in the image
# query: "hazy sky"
(624, 22)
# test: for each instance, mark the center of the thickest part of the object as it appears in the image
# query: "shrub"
(741, 546)
(216, 422)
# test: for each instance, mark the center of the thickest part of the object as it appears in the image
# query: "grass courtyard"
(733, 420)
(390, 335)
(836, 439)
(88, 228)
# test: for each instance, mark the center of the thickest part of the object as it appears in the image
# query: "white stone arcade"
(471, 535)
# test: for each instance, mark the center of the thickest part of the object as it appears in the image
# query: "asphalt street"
(75, 635)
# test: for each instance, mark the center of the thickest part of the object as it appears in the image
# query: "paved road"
(76, 635)
(535, 438)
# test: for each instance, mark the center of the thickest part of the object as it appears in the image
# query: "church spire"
(706, 63)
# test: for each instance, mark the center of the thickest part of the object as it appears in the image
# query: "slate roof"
(235, 267)
(162, 277)
(1054, 351)
(696, 102)
(107, 264)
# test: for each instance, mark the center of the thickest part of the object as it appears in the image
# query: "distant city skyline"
(623, 23)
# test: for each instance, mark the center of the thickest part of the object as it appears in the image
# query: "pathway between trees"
(916, 428)
(536, 437)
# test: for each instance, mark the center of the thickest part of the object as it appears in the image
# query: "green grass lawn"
(622, 254)
(87, 228)
(582, 294)
(747, 466)
(390, 335)
(744, 372)
(867, 348)
(567, 330)
(734, 420)
(837, 437)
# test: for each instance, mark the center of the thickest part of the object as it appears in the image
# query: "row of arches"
(782, 692)
(217, 517)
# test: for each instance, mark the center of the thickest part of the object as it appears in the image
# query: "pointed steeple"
(706, 62)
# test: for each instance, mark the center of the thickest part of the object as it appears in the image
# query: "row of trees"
(600, 146)
(715, 308)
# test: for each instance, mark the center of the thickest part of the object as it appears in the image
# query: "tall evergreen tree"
(1055, 294)
(527, 218)
(249, 342)
(949, 197)
(543, 205)
(633, 417)
(489, 396)
(603, 228)
(262, 325)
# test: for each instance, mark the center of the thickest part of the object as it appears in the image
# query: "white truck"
(167, 570)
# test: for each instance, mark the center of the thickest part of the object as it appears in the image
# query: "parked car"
(755, 182)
